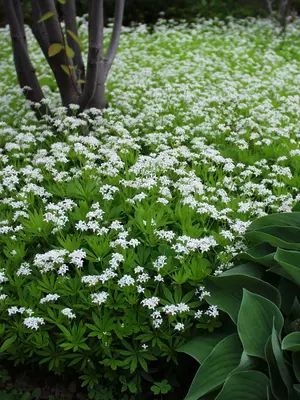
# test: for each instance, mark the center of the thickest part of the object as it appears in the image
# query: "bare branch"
(95, 53)
(115, 38)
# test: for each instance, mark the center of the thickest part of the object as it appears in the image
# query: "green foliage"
(266, 318)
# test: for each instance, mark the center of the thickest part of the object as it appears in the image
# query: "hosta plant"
(257, 354)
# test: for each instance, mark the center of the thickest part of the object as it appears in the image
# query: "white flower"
(150, 302)
(50, 297)
(3, 278)
(68, 313)
(212, 311)
(33, 322)
(126, 280)
(99, 298)
(77, 257)
(179, 327)
(24, 270)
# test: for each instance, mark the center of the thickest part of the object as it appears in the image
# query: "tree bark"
(24, 68)
(95, 53)
(98, 100)
(65, 82)
(69, 13)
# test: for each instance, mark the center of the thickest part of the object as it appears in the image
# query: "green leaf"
(7, 343)
(290, 262)
(245, 385)
(62, 1)
(74, 37)
(227, 292)
(200, 347)
(255, 322)
(277, 219)
(54, 49)
(219, 363)
(66, 69)
(280, 379)
(69, 52)
(46, 16)
(287, 237)
(296, 365)
(291, 342)
(262, 253)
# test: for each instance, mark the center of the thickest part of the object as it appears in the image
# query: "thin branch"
(95, 53)
(115, 38)
(69, 14)
(24, 68)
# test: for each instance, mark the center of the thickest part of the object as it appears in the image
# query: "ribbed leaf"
(277, 236)
(296, 365)
(255, 322)
(291, 342)
(220, 362)
(200, 347)
(278, 219)
(244, 385)
(281, 382)
(227, 292)
(290, 262)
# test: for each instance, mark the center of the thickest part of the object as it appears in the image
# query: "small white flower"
(33, 322)
(179, 327)
(68, 313)
(126, 280)
(50, 297)
(151, 302)
(99, 298)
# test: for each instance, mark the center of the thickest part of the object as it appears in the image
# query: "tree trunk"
(95, 54)
(69, 13)
(66, 82)
(24, 68)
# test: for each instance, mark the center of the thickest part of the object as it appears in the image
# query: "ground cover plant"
(258, 356)
(110, 222)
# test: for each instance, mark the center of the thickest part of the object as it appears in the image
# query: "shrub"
(259, 357)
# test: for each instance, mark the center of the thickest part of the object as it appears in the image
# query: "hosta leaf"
(277, 236)
(46, 16)
(215, 368)
(200, 347)
(277, 219)
(280, 379)
(263, 254)
(296, 365)
(290, 262)
(227, 292)
(246, 385)
(291, 342)
(255, 322)
(54, 49)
